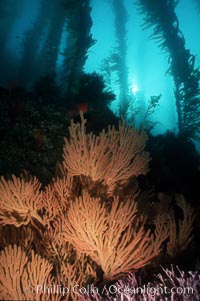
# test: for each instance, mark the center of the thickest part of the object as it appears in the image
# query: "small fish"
(84, 107)
(75, 110)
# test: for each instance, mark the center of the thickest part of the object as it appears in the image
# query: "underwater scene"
(100, 150)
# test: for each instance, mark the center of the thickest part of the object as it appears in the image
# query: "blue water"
(146, 63)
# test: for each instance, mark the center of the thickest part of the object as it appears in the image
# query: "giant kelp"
(119, 58)
(49, 51)
(29, 70)
(162, 17)
(79, 40)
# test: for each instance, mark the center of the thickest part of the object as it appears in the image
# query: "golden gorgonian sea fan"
(20, 201)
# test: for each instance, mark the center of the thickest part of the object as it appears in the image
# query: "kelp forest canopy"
(143, 55)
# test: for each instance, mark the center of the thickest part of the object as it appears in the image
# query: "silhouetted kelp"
(162, 17)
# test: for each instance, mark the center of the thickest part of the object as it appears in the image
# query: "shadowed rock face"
(175, 165)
